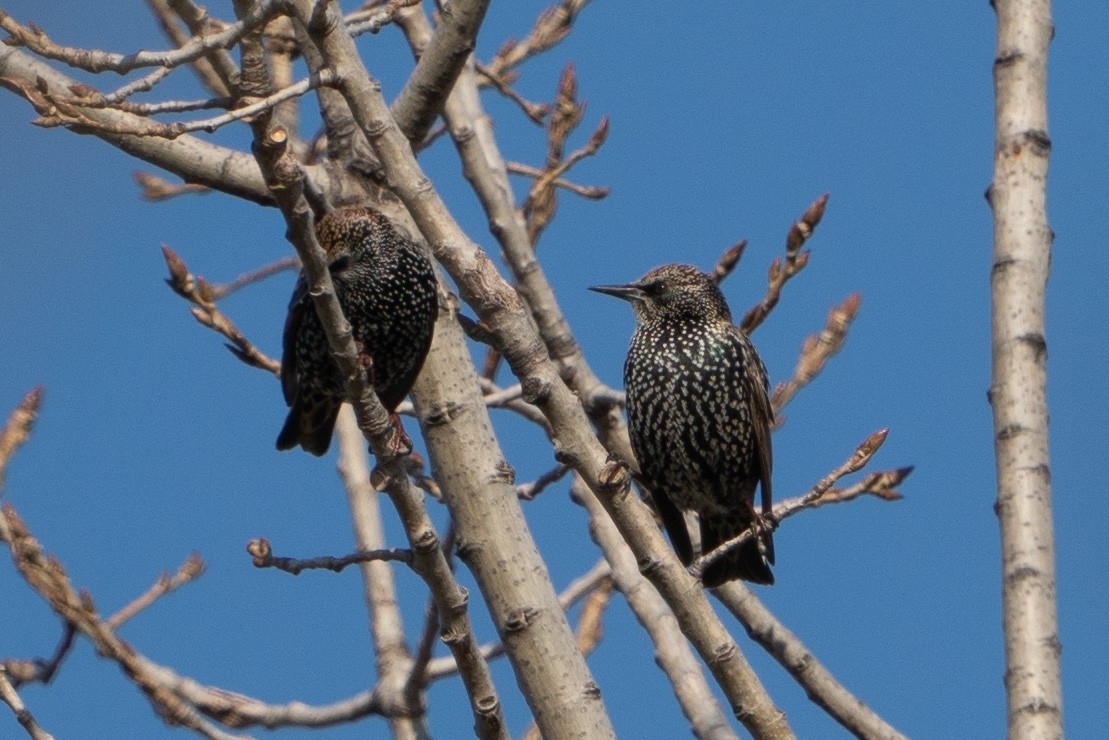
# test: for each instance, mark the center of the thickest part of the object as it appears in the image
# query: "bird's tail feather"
(750, 561)
(308, 426)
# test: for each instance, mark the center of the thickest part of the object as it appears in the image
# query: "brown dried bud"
(815, 212)
(259, 551)
(867, 449)
(177, 270)
(204, 291)
(567, 84)
(798, 263)
(845, 312)
(775, 270)
(193, 567)
(599, 136)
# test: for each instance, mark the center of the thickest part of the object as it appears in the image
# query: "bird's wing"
(674, 522)
(299, 305)
(757, 388)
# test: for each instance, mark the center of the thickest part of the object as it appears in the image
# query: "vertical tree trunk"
(1021, 261)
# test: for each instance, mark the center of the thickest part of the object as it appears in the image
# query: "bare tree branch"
(41, 670)
(23, 715)
(1018, 394)
(197, 291)
(369, 158)
(815, 353)
(90, 60)
(286, 182)
(592, 192)
(155, 188)
(528, 491)
(795, 261)
(203, 68)
(262, 556)
(552, 26)
(672, 651)
(189, 571)
(559, 687)
(440, 61)
(789, 507)
(392, 657)
(200, 24)
(535, 112)
(498, 307)
(819, 683)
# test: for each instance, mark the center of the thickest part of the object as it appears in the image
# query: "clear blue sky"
(725, 123)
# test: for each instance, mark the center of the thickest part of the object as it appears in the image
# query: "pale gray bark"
(1021, 262)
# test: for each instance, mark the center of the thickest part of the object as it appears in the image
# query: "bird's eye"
(339, 264)
(651, 288)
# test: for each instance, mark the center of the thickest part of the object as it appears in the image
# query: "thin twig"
(23, 715)
(728, 261)
(40, 670)
(189, 571)
(795, 261)
(592, 192)
(222, 290)
(143, 84)
(784, 509)
(199, 292)
(92, 60)
(156, 188)
(535, 112)
(47, 577)
(203, 68)
(541, 203)
(374, 19)
(262, 556)
(552, 26)
(882, 484)
(68, 111)
(816, 351)
(529, 491)
(510, 399)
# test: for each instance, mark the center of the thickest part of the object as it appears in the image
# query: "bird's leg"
(365, 360)
(761, 528)
(402, 443)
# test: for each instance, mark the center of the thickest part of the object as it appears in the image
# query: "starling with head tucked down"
(699, 418)
(387, 290)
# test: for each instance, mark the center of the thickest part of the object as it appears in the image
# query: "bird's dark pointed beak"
(630, 292)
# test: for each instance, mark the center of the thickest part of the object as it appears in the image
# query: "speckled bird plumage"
(699, 418)
(387, 289)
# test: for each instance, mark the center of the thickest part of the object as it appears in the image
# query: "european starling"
(699, 418)
(386, 287)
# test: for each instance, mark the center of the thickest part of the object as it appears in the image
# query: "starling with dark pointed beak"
(699, 416)
(386, 287)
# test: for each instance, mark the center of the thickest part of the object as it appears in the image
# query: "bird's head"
(354, 230)
(672, 292)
